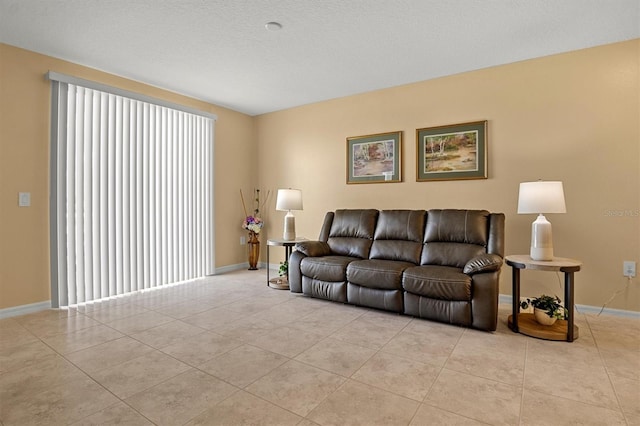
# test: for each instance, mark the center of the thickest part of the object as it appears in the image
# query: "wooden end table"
(525, 323)
(288, 249)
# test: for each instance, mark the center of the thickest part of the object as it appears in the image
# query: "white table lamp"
(287, 200)
(538, 198)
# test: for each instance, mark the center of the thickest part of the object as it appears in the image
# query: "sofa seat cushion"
(329, 290)
(326, 268)
(438, 282)
(389, 300)
(377, 273)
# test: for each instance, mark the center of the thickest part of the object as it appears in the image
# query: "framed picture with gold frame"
(457, 151)
(374, 158)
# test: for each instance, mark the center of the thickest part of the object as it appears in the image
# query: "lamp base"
(289, 227)
(541, 239)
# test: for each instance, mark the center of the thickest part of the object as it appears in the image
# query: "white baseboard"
(229, 268)
(24, 309)
(237, 267)
(587, 309)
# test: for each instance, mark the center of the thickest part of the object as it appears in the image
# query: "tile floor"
(229, 350)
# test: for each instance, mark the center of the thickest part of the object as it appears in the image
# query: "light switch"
(24, 199)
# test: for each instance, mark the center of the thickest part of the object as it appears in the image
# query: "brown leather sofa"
(441, 265)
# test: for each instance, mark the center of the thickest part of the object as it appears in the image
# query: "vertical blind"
(131, 193)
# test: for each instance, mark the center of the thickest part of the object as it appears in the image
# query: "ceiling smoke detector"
(273, 26)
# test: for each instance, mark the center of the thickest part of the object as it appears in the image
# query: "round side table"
(525, 323)
(288, 249)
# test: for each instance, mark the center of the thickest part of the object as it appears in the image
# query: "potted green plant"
(546, 309)
(283, 269)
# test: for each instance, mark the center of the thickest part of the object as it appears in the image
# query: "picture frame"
(374, 158)
(451, 152)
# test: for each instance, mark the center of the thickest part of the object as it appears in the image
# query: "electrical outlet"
(629, 268)
(529, 309)
(243, 240)
(24, 199)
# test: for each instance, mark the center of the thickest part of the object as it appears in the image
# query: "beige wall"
(24, 167)
(572, 117)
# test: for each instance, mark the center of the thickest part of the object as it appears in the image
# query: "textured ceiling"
(220, 52)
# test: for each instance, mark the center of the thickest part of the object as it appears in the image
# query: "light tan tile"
(426, 347)
(561, 411)
(16, 357)
(82, 339)
(285, 313)
(307, 422)
(401, 376)
(140, 373)
(435, 329)
(159, 298)
(287, 341)
(213, 318)
(429, 415)
(336, 356)
(200, 348)
(243, 365)
(633, 420)
(108, 354)
(591, 386)
(50, 371)
(242, 408)
(358, 404)
(28, 368)
(475, 397)
(245, 329)
(46, 314)
(492, 356)
(185, 309)
(329, 319)
(365, 331)
(252, 305)
(65, 403)
(106, 313)
(13, 334)
(167, 334)
(117, 414)
(296, 387)
(616, 337)
(140, 322)
(49, 326)
(622, 363)
(628, 392)
(181, 398)
(576, 354)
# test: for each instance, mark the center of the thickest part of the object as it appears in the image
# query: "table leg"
(268, 265)
(568, 300)
(288, 251)
(515, 292)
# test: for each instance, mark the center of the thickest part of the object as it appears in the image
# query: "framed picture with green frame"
(457, 151)
(374, 158)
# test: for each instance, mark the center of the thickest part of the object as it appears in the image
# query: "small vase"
(254, 250)
(542, 317)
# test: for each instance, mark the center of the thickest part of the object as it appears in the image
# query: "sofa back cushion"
(352, 231)
(399, 235)
(453, 237)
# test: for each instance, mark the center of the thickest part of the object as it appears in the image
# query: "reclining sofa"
(441, 265)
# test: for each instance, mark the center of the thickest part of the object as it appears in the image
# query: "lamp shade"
(289, 199)
(541, 197)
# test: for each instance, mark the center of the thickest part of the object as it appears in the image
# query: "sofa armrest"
(483, 263)
(314, 248)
